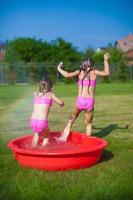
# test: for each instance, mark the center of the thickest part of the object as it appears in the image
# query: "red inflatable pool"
(79, 151)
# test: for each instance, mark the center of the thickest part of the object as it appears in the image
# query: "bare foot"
(45, 141)
(88, 133)
(64, 134)
(62, 138)
(35, 140)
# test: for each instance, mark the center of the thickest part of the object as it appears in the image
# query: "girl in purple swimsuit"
(87, 75)
(42, 102)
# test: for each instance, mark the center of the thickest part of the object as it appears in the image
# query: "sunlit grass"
(112, 178)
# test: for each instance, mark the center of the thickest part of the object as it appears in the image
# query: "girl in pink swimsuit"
(87, 75)
(42, 102)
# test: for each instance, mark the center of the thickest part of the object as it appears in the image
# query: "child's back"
(41, 105)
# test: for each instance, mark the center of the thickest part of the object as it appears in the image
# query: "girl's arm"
(57, 100)
(65, 73)
(106, 70)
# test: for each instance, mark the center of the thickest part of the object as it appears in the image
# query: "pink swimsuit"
(87, 83)
(38, 100)
(85, 103)
(38, 125)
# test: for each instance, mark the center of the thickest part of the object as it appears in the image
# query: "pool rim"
(44, 152)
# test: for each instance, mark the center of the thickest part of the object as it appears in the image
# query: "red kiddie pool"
(79, 151)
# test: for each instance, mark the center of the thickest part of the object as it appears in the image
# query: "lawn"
(110, 179)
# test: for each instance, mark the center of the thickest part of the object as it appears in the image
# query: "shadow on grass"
(106, 155)
(107, 130)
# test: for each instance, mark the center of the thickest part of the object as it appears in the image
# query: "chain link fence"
(32, 72)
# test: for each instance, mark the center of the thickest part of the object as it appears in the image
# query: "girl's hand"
(62, 104)
(106, 56)
(60, 65)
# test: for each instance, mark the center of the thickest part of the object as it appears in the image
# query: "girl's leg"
(35, 139)
(46, 136)
(88, 121)
(68, 127)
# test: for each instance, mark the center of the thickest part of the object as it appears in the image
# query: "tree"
(119, 62)
(89, 52)
(32, 52)
(65, 51)
(29, 51)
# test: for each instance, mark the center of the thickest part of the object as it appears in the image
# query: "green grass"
(101, 89)
(111, 179)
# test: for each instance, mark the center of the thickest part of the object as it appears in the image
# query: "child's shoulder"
(49, 94)
(34, 93)
(37, 94)
(53, 95)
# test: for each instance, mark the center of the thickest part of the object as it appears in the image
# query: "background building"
(126, 46)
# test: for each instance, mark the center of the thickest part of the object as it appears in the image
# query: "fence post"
(57, 77)
(1, 74)
(131, 72)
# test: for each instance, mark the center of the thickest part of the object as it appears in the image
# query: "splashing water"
(53, 145)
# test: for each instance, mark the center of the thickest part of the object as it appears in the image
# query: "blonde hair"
(45, 85)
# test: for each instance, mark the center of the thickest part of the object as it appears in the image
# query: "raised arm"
(57, 100)
(65, 73)
(106, 70)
